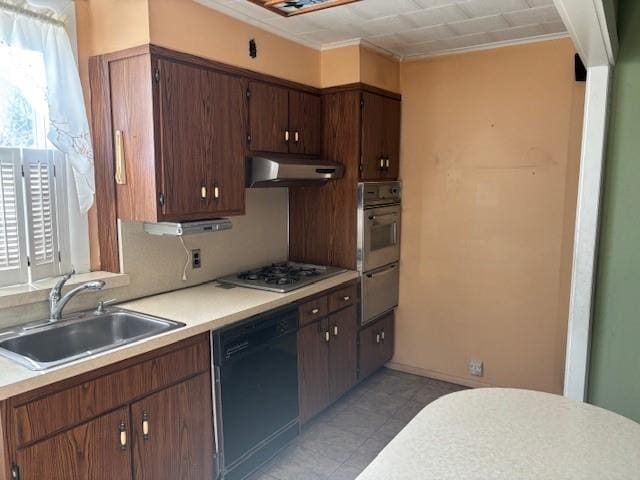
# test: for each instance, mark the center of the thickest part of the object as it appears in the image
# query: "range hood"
(289, 172)
(187, 228)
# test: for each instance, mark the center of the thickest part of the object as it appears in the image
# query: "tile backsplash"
(155, 264)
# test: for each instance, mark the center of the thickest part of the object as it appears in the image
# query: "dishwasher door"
(257, 389)
(379, 292)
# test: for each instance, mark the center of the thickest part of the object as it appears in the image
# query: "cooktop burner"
(281, 277)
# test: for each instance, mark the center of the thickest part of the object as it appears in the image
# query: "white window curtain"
(68, 125)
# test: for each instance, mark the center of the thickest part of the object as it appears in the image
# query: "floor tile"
(358, 420)
(390, 429)
(297, 463)
(330, 441)
(383, 403)
(399, 385)
(261, 476)
(367, 452)
(346, 472)
(409, 410)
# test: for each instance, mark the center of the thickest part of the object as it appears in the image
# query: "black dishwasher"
(256, 369)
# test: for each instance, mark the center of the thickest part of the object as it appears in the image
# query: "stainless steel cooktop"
(281, 277)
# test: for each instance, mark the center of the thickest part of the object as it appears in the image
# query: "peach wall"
(379, 70)
(340, 66)
(489, 162)
(189, 27)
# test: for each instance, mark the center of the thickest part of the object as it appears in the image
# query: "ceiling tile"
(429, 34)
(370, 9)
(539, 3)
(385, 25)
(532, 16)
(481, 8)
(479, 25)
(554, 27)
(517, 33)
(327, 36)
(466, 41)
(435, 16)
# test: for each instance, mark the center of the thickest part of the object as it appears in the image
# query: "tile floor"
(342, 441)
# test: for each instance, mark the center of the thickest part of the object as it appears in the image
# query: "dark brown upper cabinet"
(283, 120)
(178, 139)
(380, 137)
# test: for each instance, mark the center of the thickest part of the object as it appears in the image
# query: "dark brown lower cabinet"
(327, 361)
(89, 451)
(178, 442)
(376, 345)
(146, 418)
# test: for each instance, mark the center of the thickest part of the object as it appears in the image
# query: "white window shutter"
(13, 251)
(40, 203)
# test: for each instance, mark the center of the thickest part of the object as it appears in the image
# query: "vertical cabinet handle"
(216, 191)
(327, 336)
(203, 192)
(122, 428)
(382, 336)
(381, 163)
(296, 137)
(378, 337)
(346, 298)
(145, 426)
(335, 330)
(315, 311)
(387, 163)
(121, 170)
(286, 135)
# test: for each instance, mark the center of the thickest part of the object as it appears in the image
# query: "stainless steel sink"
(39, 346)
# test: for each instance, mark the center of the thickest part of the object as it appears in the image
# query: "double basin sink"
(43, 345)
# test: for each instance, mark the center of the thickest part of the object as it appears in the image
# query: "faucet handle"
(57, 289)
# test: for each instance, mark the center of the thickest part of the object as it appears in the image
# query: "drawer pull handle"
(335, 330)
(315, 311)
(122, 428)
(327, 336)
(121, 171)
(346, 298)
(145, 426)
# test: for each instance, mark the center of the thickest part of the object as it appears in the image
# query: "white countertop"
(508, 434)
(202, 308)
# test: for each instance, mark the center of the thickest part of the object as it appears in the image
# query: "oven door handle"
(390, 214)
(382, 272)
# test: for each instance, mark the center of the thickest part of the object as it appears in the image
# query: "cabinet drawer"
(53, 411)
(313, 310)
(343, 298)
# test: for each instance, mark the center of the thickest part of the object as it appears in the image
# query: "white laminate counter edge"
(202, 308)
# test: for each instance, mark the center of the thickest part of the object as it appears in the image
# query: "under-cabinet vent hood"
(288, 172)
(188, 228)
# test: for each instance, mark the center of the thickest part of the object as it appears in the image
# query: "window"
(34, 233)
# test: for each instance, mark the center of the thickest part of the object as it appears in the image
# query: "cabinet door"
(305, 122)
(343, 351)
(313, 369)
(185, 118)
(268, 118)
(391, 139)
(373, 133)
(91, 451)
(179, 439)
(376, 345)
(225, 167)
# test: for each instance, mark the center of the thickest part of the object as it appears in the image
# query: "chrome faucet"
(57, 302)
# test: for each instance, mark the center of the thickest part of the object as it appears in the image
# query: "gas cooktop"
(281, 277)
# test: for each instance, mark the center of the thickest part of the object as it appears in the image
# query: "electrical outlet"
(476, 368)
(196, 259)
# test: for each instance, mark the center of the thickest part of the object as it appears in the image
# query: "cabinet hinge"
(248, 93)
(15, 472)
(161, 199)
(156, 74)
(54, 172)
(360, 167)
(248, 139)
(22, 170)
(59, 256)
(362, 103)
(28, 261)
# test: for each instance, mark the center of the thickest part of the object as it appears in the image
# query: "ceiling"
(409, 28)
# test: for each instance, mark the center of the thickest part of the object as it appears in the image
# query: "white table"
(509, 434)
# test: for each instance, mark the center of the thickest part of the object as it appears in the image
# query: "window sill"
(39, 291)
